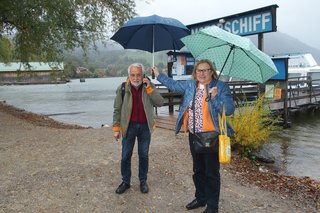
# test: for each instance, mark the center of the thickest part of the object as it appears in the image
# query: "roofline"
(34, 66)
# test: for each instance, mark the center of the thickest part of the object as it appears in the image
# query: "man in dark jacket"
(133, 117)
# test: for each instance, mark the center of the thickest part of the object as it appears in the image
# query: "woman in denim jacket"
(206, 174)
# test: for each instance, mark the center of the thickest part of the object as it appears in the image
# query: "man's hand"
(146, 81)
(116, 135)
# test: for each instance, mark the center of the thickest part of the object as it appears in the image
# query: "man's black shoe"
(122, 188)
(210, 210)
(144, 188)
(195, 204)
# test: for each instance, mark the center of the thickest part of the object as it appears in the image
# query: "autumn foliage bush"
(253, 124)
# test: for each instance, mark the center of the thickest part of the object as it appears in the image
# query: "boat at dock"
(302, 66)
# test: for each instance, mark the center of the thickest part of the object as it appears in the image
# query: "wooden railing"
(171, 99)
(242, 91)
(303, 88)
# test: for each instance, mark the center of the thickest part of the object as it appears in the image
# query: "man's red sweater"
(137, 114)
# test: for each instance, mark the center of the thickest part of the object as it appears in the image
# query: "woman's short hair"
(211, 65)
(139, 65)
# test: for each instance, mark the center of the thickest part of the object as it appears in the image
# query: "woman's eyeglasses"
(202, 70)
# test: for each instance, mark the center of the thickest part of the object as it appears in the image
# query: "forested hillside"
(112, 60)
(281, 43)
(109, 63)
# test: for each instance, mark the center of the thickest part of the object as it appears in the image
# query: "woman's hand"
(214, 92)
(155, 71)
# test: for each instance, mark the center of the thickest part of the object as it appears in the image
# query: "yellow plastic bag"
(224, 140)
(224, 149)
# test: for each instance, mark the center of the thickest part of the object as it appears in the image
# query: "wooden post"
(309, 82)
(285, 105)
(260, 42)
(171, 106)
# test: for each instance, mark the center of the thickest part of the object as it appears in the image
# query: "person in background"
(210, 96)
(133, 117)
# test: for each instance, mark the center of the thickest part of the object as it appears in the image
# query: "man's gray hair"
(139, 65)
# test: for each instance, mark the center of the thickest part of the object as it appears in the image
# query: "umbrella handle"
(152, 74)
(231, 48)
(208, 97)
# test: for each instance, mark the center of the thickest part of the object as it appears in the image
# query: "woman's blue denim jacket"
(187, 89)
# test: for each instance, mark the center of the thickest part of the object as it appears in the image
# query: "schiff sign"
(256, 21)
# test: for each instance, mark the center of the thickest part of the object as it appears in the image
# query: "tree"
(43, 29)
(5, 49)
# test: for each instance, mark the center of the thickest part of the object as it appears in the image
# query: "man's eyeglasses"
(135, 75)
(202, 70)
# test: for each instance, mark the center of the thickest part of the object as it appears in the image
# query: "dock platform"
(166, 121)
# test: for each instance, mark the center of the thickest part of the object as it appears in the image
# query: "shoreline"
(286, 190)
(33, 83)
(36, 119)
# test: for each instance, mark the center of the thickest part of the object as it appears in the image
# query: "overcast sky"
(298, 18)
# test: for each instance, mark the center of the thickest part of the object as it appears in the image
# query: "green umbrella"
(236, 56)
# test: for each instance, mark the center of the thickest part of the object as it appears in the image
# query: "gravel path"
(47, 166)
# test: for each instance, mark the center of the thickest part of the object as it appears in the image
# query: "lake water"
(296, 149)
(87, 104)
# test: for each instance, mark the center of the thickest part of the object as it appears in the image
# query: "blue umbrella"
(151, 33)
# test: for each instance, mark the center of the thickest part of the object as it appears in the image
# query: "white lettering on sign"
(256, 21)
(265, 19)
(235, 29)
(250, 24)
(243, 25)
(227, 26)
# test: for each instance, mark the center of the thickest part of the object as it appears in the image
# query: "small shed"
(180, 64)
(31, 73)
